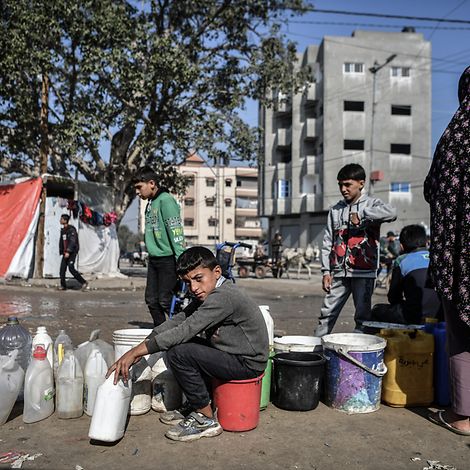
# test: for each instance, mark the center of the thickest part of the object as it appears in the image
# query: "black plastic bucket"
(297, 380)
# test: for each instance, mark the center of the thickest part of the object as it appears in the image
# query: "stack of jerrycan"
(409, 360)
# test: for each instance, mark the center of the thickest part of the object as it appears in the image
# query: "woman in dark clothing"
(447, 190)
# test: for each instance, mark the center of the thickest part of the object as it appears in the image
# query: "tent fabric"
(18, 206)
(99, 250)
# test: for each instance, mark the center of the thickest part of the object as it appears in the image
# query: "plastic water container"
(110, 413)
(166, 393)
(14, 336)
(42, 337)
(269, 323)
(69, 387)
(410, 363)
(59, 351)
(38, 388)
(94, 376)
(11, 381)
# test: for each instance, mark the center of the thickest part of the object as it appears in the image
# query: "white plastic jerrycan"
(69, 400)
(38, 388)
(268, 319)
(95, 375)
(110, 413)
(11, 381)
(42, 337)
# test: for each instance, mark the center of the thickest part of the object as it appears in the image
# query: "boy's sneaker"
(176, 416)
(195, 426)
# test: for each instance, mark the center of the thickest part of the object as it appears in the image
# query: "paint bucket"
(297, 344)
(125, 340)
(354, 370)
(237, 403)
(298, 378)
(266, 384)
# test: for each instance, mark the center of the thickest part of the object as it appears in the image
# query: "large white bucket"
(125, 340)
(297, 344)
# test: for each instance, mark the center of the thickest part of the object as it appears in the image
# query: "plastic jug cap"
(39, 352)
(13, 320)
(41, 329)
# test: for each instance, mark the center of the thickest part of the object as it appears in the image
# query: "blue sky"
(450, 48)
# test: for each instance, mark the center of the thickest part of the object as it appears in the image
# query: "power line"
(376, 25)
(384, 15)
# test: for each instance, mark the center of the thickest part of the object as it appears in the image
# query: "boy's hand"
(122, 365)
(354, 218)
(326, 283)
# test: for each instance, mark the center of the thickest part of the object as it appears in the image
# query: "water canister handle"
(377, 372)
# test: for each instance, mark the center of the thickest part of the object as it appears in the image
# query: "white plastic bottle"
(42, 337)
(95, 375)
(61, 344)
(38, 388)
(268, 319)
(11, 381)
(110, 413)
(69, 400)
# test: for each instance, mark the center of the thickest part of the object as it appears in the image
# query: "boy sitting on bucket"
(235, 345)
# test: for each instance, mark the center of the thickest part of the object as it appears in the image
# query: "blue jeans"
(361, 289)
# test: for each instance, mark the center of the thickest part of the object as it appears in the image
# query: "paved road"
(320, 439)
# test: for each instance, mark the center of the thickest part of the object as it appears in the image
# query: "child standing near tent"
(68, 248)
(164, 239)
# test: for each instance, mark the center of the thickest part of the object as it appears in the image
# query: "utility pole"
(43, 157)
(374, 69)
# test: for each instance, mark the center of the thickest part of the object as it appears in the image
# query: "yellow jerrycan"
(409, 360)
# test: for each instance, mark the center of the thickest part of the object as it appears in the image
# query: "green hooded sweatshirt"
(164, 234)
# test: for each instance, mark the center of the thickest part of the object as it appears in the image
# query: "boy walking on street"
(164, 239)
(234, 347)
(350, 251)
(68, 248)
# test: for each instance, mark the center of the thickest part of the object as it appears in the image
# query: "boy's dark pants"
(194, 364)
(161, 281)
(69, 263)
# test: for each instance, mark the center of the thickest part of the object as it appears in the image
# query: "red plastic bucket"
(237, 403)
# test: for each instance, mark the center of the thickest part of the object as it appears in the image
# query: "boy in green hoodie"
(164, 239)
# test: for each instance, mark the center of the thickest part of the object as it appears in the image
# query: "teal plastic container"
(266, 384)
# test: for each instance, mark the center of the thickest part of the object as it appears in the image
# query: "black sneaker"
(176, 416)
(195, 426)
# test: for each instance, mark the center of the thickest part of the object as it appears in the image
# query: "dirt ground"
(391, 438)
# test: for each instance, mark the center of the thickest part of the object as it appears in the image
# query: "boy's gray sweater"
(231, 321)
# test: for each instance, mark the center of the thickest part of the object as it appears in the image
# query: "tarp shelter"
(19, 215)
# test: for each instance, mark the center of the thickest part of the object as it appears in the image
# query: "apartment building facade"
(220, 204)
(368, 102)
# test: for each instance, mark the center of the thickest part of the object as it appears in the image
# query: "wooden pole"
(43, 157)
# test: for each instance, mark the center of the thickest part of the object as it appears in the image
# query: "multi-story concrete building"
(369, 102)
(220, 204)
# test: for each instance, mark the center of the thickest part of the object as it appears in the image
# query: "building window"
(228, 182)
(190, 180)
(400, 187)
(354, 106)
(401, 109)
(212, 237)
(283, 189)
(189, 222)
(353, 144)
(228, 202)
(189, 201)
(210, 182)
(353, 67)
(400, 71)
(210, 201)
(404, 149)
(212, 222)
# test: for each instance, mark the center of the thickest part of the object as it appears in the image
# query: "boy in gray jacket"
(234, 347)
(350, 252)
